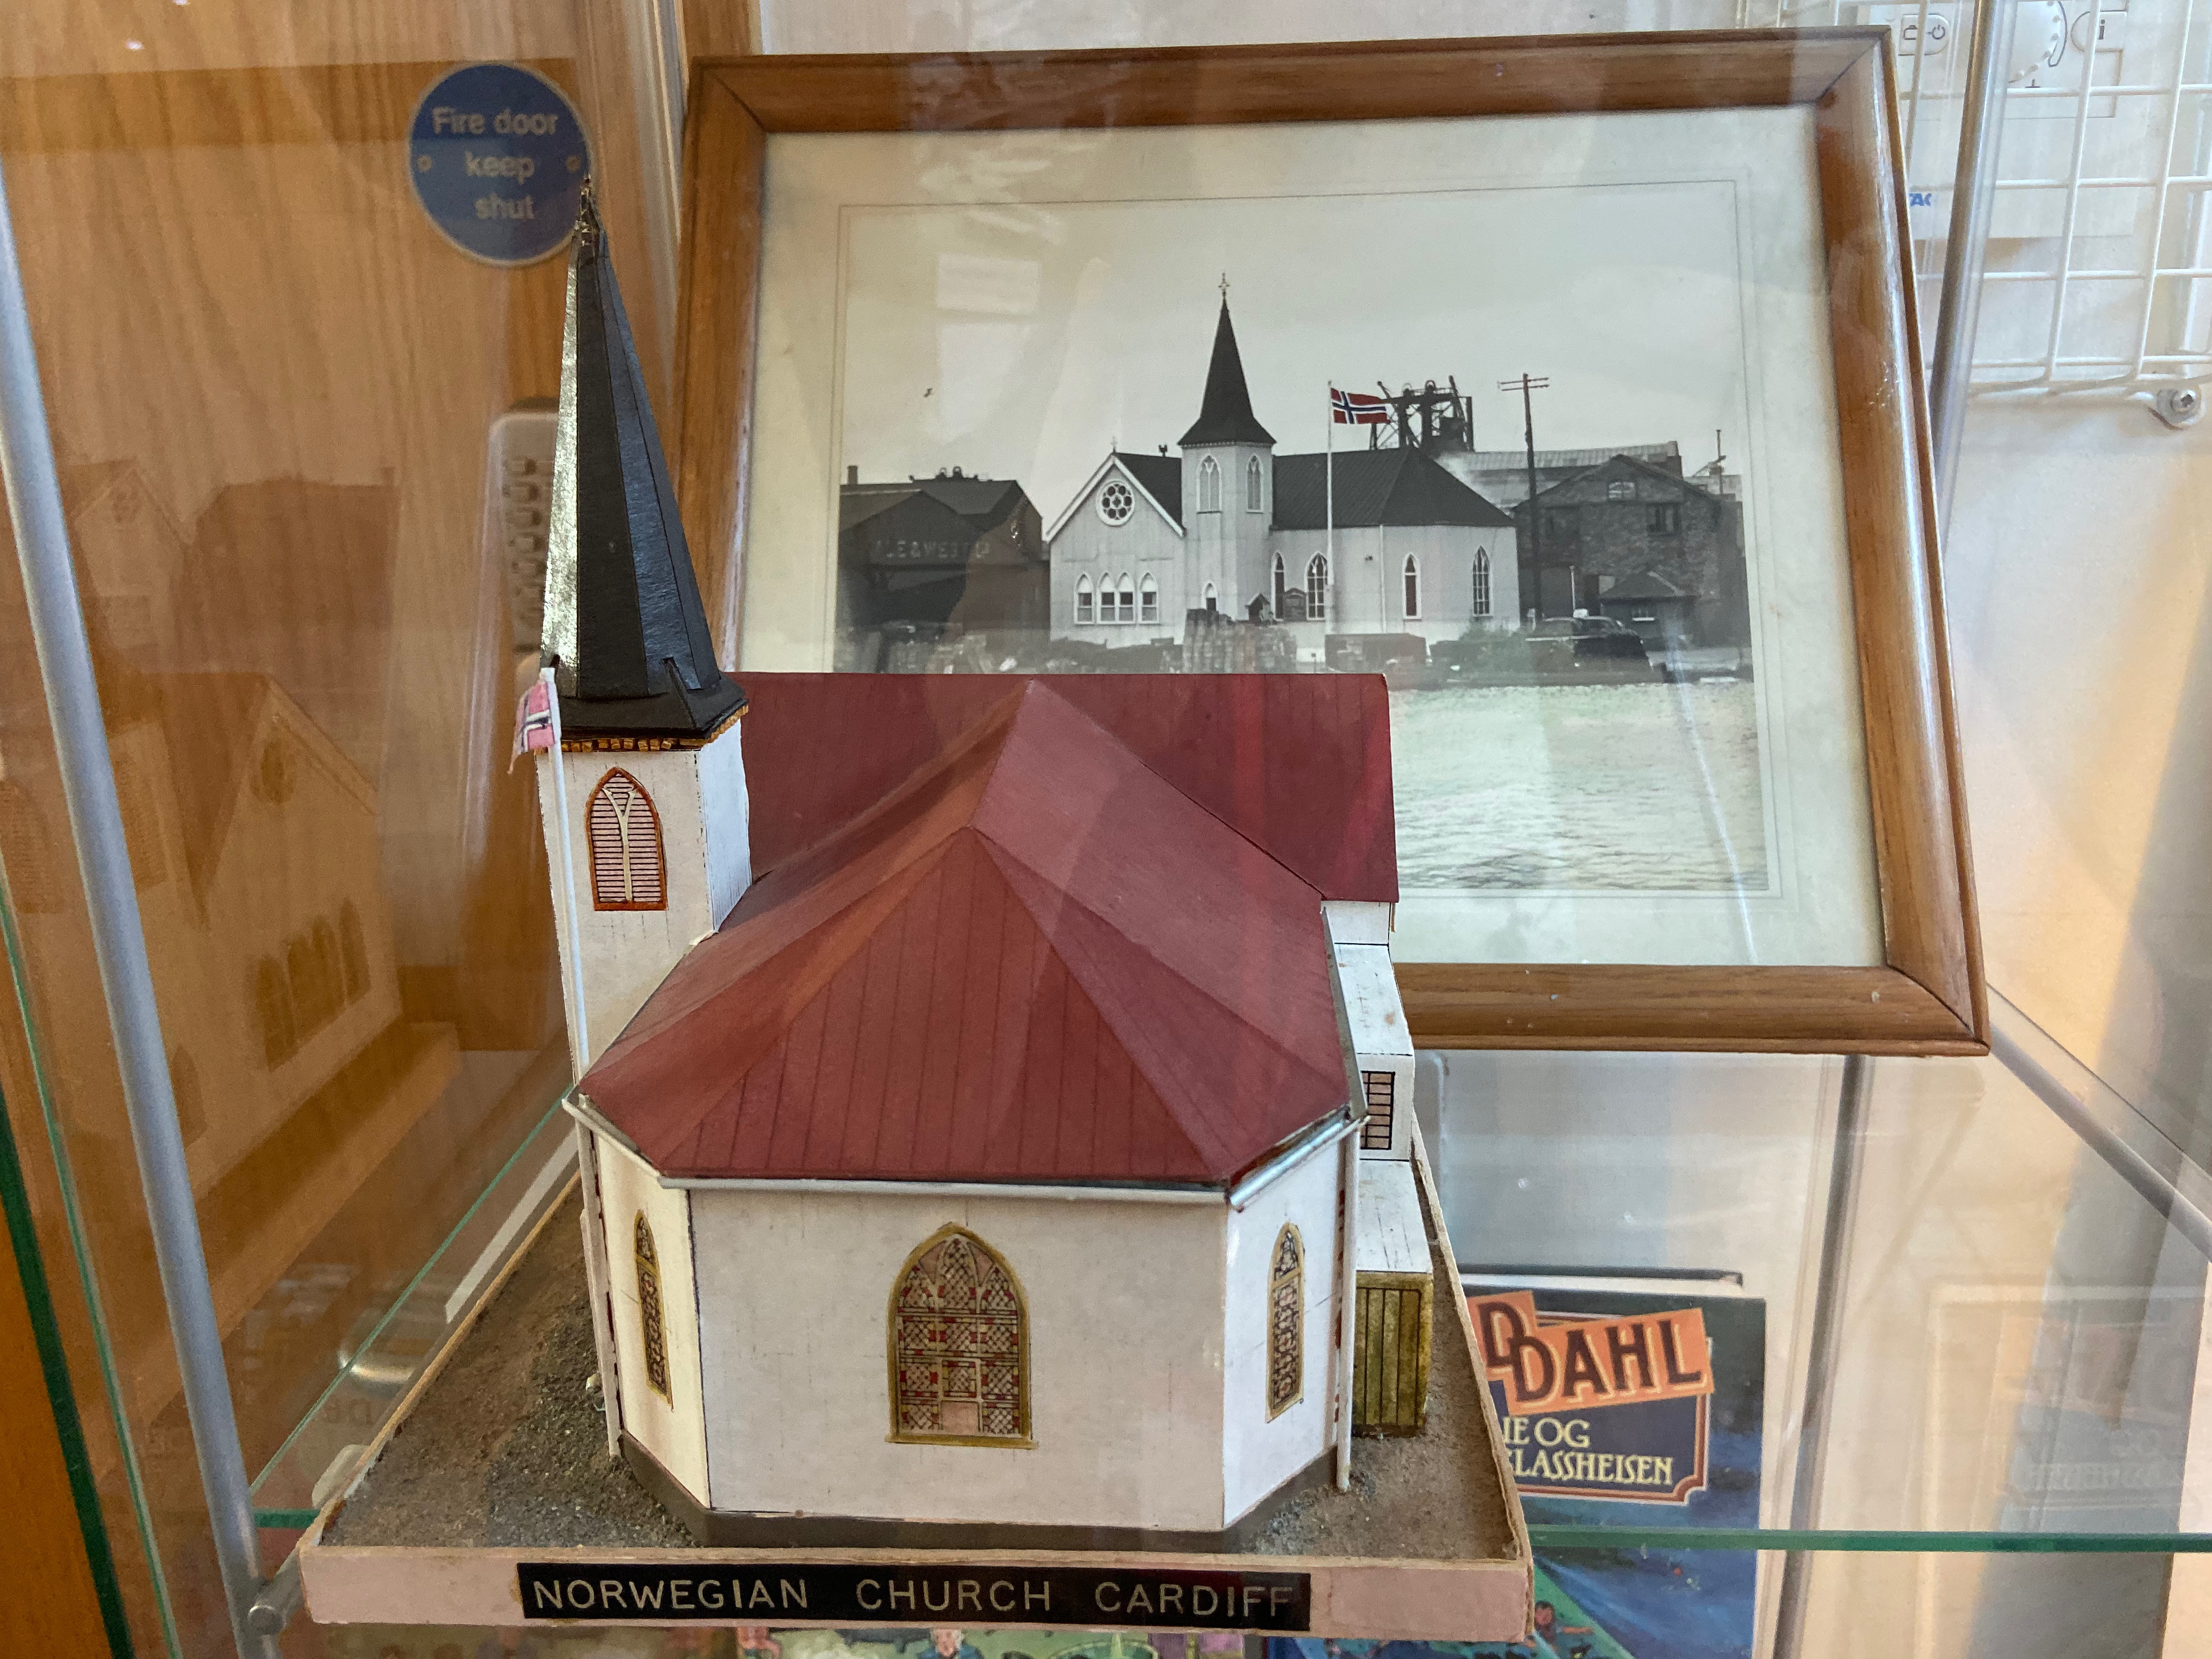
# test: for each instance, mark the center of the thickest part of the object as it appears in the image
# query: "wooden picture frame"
(1927, 996)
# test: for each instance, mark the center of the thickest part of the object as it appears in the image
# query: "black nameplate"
(839, 1593)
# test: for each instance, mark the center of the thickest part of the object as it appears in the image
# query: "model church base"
(492, 1485)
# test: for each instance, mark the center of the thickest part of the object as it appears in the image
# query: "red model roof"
(1034, 960)
(1299, 763)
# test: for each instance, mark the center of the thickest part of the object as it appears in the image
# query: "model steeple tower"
(625, 631)
(1229, 481)
(644, 799)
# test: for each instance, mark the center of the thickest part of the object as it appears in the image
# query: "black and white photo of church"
(1406, 550)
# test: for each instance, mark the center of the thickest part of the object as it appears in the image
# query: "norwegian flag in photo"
(1356, 408)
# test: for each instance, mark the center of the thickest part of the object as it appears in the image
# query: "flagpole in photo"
(1329, 484)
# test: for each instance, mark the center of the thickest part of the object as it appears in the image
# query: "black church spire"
(624, 628)
(1225, 416)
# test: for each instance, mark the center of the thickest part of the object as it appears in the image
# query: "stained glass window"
(654, 1327)
(959, 1345)
(1286, 1317)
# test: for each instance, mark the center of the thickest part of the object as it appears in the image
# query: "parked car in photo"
(1596, 639)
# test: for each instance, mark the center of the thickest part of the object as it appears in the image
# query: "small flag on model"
(1358, 408)
(533, 721)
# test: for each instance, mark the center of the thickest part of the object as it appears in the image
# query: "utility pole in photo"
(1526, 386)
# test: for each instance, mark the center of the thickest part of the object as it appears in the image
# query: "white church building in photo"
(1227, 524)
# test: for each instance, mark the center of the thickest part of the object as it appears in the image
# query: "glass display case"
(304, 437)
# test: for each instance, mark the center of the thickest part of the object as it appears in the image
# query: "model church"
(1398, 547)
(994, 1097)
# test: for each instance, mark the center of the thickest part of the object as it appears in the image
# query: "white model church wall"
(699, 797)
(1124, 1307)
(1258, 1453)
(672, 1429)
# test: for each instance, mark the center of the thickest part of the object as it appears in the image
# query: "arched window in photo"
(1255, 495)
(652, 1332)
(1213, 598)
(353, 952)
(1481, 581)
(1317, 588)
(317, 993)
(1286, 1322)
(272, 1010)
(1278, 600)
(959, 1345)
(1127, 613)
(1148, 600)
(1413, 588)
(1209, 486)
(623, 832)
(1083, 600)
(34, 874)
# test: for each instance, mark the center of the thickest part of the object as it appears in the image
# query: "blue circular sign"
(498, 159)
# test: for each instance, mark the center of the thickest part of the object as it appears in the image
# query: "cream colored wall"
(672, 1430)
(1125, 1359)
(1259, 1453)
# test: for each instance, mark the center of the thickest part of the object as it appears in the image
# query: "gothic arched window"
(1213, 599)
(1278, 586)
(353, 952)
(959, 1345)
(1254, 491)
(1286, 1322)
(272, 1009)
(1128, 611)
(1148, 600)
(35, 880)
(1481, 581)
(1083, 600)
(623, 834)
(1317, 588)
(653, 1328)
(1413, 588)
(1209, 486)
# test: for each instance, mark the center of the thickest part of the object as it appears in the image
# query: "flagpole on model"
(1328, 486)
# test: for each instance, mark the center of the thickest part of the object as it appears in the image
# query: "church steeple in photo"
(1224, 413)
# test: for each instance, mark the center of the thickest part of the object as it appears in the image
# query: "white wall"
(672, 1430)
(1125, 1359)
(1260, 1453)
(700, 795)
(1146, 545)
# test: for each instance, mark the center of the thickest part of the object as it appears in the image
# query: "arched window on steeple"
(1481, 581)
(1317, 589)
(1209, 486)
(1279, 586)
(1413, 588)
(622, 833)
(1255, 496)
(1213, 598)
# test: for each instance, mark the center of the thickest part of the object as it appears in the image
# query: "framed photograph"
(1572, 385)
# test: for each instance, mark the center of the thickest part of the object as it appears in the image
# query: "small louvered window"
(628, 870)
